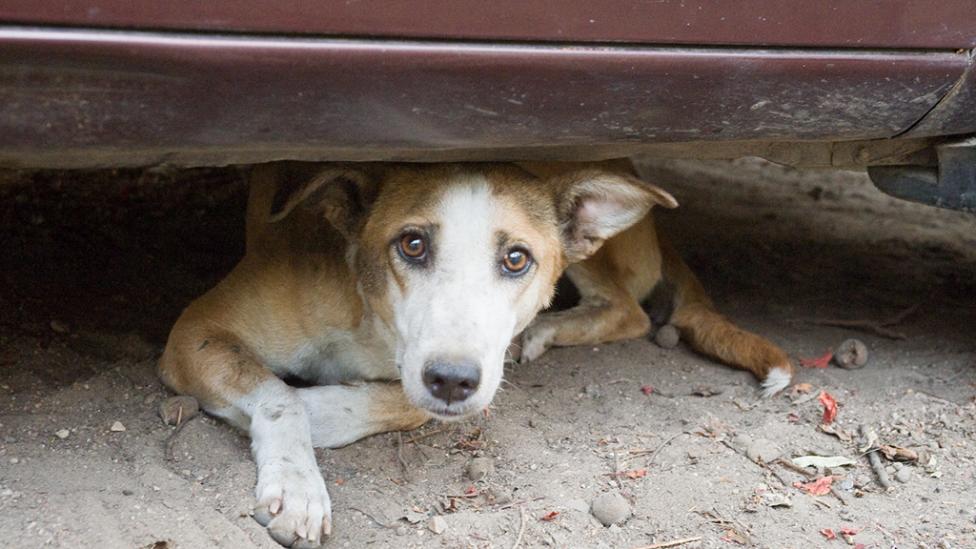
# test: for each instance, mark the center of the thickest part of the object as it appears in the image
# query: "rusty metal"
(951, 184)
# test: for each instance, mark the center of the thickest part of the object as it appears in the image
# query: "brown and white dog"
(395, 290)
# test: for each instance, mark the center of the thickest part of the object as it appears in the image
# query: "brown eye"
(413, 247)
(516, 261)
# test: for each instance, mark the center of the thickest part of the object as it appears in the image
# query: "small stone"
(117, 427)
(846, 485)
(610, 508)
(592, 390)
(437, 525)
(763, 451)
(178, 409)
(14, 460)
(60, 327)
(480, 467)
(402, 531)
(6, 493)
(62, 433)
(903, 475)
(667, 337)
(852, 354)
(773, 499)
(127, 492)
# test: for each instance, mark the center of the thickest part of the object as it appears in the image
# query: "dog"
(394, 290)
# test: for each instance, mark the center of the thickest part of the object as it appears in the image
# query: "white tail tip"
(776, 380)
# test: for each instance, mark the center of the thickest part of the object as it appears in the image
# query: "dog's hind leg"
(609, 284)
(343, 414)
(230, 381)
(711, 334)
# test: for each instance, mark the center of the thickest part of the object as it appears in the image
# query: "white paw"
(293, 503)
(536, 339)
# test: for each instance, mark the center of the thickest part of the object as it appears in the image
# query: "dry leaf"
(550, 516)
(830, 407)
(818, 487)
(818, 362)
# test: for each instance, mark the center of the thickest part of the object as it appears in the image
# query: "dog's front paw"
(293, 504)
(536, 339)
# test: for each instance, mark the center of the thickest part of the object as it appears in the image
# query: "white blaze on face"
(460, 307)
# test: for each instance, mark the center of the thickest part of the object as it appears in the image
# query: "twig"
(760, 463)
(656, 451)
(427, 435)
(399, 452)
(511, 504)
(796, 469)
(874, 459)
(877, 327)
(374, 519)
(673, 543)
(521, 530)
(171, 439)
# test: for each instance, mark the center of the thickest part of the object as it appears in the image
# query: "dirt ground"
(95, 267)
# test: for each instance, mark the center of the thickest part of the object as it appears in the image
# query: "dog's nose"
(452, 381)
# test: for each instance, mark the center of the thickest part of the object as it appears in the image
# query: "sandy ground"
(96, 266)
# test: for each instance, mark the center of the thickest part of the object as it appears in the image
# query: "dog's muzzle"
(451, 382)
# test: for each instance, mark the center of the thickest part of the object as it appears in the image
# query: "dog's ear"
(594, 205)
(341, 194)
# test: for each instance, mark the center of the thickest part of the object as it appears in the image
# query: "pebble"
(480, 467)
(763, 451)
(437, 525)
(402, 531)
(62, 433)
(610, 508)
(60, 327)
(903, 475)
(667, 337)
(592, 390)
(169, 409)
(117, 427)
(14, 461)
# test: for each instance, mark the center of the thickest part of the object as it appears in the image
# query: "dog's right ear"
(341, 194)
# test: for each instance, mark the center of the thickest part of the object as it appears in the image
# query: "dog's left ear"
(342, 194)
(594, 205)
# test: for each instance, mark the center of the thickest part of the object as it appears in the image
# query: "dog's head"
(457, 259)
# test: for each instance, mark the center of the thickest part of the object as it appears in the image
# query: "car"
(889, 86)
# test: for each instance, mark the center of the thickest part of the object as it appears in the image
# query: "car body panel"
(85, 98)
(931, 24)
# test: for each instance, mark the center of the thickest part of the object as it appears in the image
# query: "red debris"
(550, 516)
(818, 487)
(828, 533)
(830, 407)
(818, 362)
(647, 389)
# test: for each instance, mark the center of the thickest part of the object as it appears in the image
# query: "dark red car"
(885, 84)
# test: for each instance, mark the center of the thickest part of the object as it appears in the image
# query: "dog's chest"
(342, 357)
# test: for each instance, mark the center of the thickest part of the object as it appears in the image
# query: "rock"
(480, 467)
(851, 354)
(59, 327)
(178, 409)
(763, 451)
(62, 433)
(402, 531)
(667, 337)
(437, 525)
(903, 475)
(117, 427)
(773, 499)
(592, 390)
(610, 508)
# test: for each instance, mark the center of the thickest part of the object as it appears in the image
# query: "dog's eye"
(516, 261)
(413, 247)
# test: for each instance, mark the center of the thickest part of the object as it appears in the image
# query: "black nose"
(451, 381)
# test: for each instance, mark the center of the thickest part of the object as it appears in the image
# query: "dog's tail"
(710, 333)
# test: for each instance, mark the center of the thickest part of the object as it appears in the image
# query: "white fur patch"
(292, 500)
(776, 380)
